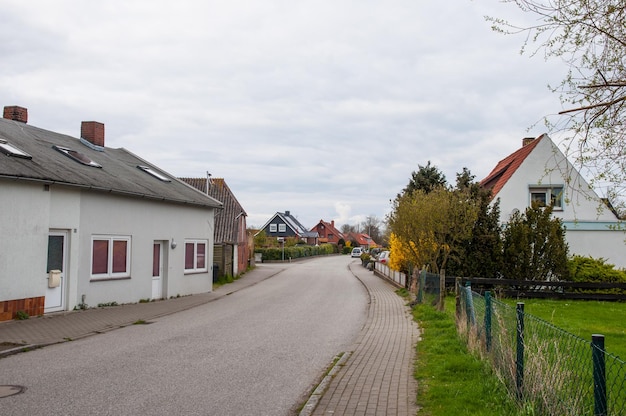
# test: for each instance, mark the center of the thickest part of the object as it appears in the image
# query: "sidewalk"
(65, 326)
(376, 377)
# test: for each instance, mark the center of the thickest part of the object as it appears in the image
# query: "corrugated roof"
(507, 167)
(118, 175)
(225, 220)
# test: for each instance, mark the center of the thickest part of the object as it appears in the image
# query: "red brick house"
(328, 233)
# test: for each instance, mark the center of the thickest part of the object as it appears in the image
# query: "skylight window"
(154, 173)
(77, 156)
(10, 150)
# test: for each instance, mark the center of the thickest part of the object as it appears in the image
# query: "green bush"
(588, 269)
(294, 252)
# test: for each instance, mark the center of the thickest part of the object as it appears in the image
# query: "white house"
(84, 224)
(540, 171)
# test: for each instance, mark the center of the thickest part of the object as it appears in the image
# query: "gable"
(541, 167)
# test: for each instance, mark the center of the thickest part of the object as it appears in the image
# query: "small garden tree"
(534, 246)
(430, 226)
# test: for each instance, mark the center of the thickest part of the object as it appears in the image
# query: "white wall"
(30, 210)
(24, 243)
(145, 221)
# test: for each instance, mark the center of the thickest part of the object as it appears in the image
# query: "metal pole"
(488, 320)
(599, 375)
(519, 362)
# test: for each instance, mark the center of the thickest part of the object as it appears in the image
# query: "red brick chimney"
(93, 132)
(16, 113)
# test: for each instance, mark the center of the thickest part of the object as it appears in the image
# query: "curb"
(319, 391)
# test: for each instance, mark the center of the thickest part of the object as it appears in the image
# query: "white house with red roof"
(539, 171)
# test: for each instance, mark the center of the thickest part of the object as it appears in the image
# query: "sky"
(321, 108)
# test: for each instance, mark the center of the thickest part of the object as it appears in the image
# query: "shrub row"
(295, 252)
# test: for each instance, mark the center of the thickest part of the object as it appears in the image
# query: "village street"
(257, 351)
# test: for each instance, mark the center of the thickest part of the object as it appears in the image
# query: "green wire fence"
(544, 367)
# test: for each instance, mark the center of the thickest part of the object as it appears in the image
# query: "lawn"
(584, 318)
(451, 381)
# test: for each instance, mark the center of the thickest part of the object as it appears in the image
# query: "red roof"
(503, 171)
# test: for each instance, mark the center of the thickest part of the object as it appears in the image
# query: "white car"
(356, 252)
(383, 257)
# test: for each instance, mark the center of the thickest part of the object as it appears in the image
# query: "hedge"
(294, 252)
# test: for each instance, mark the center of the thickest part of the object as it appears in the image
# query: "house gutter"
(111, 191)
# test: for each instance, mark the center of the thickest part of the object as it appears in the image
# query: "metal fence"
(545, 368)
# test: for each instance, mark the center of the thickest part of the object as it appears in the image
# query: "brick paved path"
(377, 378)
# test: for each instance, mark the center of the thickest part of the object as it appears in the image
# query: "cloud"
(320, 108)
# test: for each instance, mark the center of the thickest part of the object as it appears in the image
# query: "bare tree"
(590, 37)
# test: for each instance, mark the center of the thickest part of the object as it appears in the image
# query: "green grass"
(451, 381)
(584, 318)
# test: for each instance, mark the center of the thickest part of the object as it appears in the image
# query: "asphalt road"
(259, 351)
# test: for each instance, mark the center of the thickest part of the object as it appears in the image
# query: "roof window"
(154, 173)
(10, 150)
(77, 156)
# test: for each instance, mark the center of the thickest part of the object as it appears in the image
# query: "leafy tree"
(430, 225)
(426, 178)
(399, 254)
(534, 246)
(260, 240)
(589, 36)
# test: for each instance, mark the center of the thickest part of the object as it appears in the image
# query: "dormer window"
(154, 173)
(77, 156)
(10, 150)
(544, 196)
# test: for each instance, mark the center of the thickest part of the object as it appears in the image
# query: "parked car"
(356, 252)
(383, 257)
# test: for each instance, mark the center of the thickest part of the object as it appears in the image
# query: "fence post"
(457, 296)
(442, 290)
(469, 305)
(599, 375)
(488, 320)
(420, 288)
(519, 362)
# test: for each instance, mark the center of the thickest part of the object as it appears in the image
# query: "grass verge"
(583, 318)
(452, 381)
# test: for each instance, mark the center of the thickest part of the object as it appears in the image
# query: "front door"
(157, 270)
(55, 269)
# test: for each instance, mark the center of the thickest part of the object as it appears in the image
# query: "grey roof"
(119, 173)
(297, 225)
(293, 223)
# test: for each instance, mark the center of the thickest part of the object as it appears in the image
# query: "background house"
(327, 233)
(231, 248)
(85, 224)
(540, 171)
(361, 240)
(284, 225)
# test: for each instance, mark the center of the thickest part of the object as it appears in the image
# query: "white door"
(157, 270)
(55, 269)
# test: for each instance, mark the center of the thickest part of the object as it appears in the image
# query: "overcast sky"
(322, 108)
